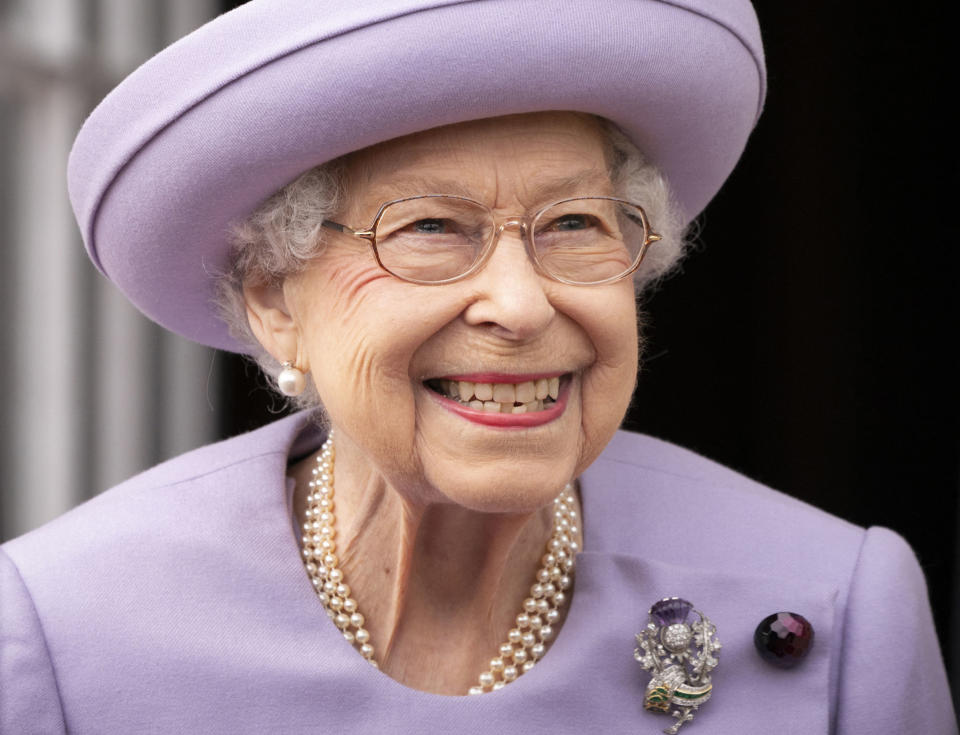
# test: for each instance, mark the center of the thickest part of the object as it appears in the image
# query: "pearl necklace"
(526, 643)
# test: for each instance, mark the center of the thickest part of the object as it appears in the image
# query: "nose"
(510, 295)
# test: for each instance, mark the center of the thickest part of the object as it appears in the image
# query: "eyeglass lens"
(438, 238)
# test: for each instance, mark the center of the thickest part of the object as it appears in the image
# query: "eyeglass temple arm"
(331, 225)
(651, 236)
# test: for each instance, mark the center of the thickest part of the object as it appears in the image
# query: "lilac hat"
(202, 133)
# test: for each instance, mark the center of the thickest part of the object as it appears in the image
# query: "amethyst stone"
(783, 639)
(670, 611)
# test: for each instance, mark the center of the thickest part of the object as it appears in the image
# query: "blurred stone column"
(92, 391)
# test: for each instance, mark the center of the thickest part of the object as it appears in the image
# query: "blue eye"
(430, 227)
(572, 222)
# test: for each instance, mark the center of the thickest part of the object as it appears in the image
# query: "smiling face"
(401, 367)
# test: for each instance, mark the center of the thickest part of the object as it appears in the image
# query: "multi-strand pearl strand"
(320, 555)
(528, 641)
(525, 644)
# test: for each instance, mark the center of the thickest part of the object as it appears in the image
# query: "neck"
(440, 585)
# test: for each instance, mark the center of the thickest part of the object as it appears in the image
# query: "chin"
(503, 485)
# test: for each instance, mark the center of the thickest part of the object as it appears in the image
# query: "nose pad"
(516, 224)
(521, 227)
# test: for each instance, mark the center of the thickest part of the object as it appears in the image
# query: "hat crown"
(201, 133)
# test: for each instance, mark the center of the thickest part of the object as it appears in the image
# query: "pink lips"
(506, 420)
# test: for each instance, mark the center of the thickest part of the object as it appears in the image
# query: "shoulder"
(172, 581)
(27, 679)
(746, 549)
(657, 499)
(183, 492)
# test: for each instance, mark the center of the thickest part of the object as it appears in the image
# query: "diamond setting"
(676, 637)
(679, 655)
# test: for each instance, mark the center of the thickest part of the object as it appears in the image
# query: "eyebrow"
(588, 181)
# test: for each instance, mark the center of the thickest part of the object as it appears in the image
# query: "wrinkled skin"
(452, 514)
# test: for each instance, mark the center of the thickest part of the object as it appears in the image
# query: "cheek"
(608, 385)
(361, 329)
(341, 292)
(350, 340)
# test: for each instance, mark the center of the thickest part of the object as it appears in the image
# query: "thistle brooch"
(679, 656)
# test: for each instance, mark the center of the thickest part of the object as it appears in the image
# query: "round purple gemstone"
(670, 611)
(783, 639)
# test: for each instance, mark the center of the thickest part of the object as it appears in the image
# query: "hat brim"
(202, 133)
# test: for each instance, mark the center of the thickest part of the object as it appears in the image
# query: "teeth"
(502, 397)
(526, 392)
(483, 391)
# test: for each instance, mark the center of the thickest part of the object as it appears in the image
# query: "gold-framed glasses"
(440, 238)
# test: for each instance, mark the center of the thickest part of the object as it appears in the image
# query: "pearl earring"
(291, 380)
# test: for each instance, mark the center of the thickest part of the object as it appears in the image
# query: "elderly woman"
(429, 221)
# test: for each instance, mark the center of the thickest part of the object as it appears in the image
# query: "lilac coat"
(177, 602)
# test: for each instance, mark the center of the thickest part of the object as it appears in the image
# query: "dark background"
(810, 340)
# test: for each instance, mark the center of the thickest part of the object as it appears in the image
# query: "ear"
(271, 321)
